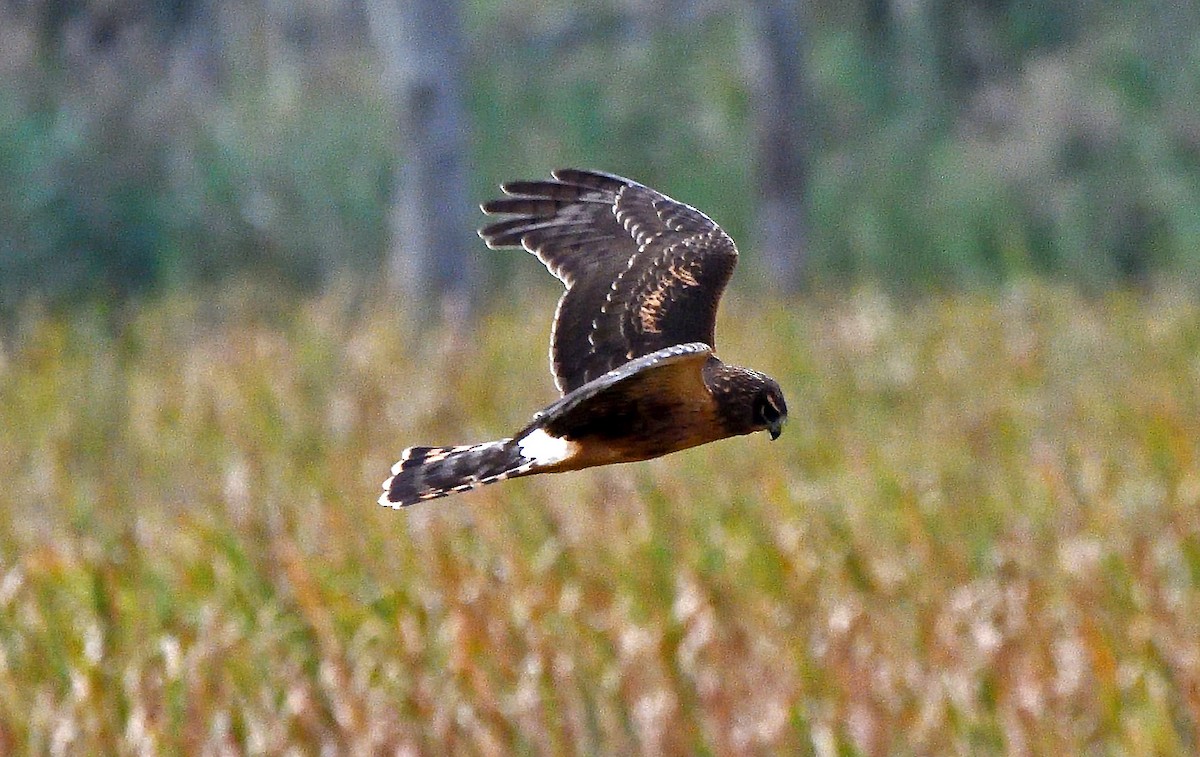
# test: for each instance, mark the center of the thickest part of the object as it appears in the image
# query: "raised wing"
(642, 271)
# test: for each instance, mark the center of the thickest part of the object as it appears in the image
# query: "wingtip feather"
(589, 177)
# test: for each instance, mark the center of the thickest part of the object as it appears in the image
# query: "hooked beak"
(776, 428)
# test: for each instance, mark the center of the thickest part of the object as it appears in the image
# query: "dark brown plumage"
(631, 349)
(642, 271)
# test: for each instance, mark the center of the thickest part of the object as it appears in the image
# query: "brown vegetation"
(979, 534)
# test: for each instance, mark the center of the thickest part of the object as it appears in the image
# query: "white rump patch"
(544, 449)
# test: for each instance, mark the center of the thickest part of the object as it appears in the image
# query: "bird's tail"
(430, 472)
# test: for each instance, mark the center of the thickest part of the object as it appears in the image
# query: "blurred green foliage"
(953, 144)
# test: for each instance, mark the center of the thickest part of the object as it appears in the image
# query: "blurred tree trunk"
(421, 45)
(782, 136)
(917, 45)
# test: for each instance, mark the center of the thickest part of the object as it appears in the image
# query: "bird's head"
(748, 400)
(770, 409)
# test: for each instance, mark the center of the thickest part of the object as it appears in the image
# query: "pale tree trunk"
(781, 135)
(421, 45)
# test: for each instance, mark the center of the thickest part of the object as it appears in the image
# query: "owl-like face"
(770, 409)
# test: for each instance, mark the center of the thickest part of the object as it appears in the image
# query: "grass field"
(979, 534)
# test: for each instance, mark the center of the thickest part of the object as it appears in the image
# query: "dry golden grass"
(980, 534)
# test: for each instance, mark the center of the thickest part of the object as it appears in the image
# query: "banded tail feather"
(431, 472)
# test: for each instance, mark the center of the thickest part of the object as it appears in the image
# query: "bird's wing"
(642, 271)
(640, 409)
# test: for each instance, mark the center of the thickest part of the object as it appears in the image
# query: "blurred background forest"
(153, 144)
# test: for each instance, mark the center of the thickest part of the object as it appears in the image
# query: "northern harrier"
(631, 348)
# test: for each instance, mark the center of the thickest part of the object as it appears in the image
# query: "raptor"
(632, 344)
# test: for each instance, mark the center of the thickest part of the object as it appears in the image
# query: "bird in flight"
(632, 344)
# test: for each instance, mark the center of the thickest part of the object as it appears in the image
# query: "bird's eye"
(767, 411)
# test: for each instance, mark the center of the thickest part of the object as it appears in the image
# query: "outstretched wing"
(642, 271)
(648, 406)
